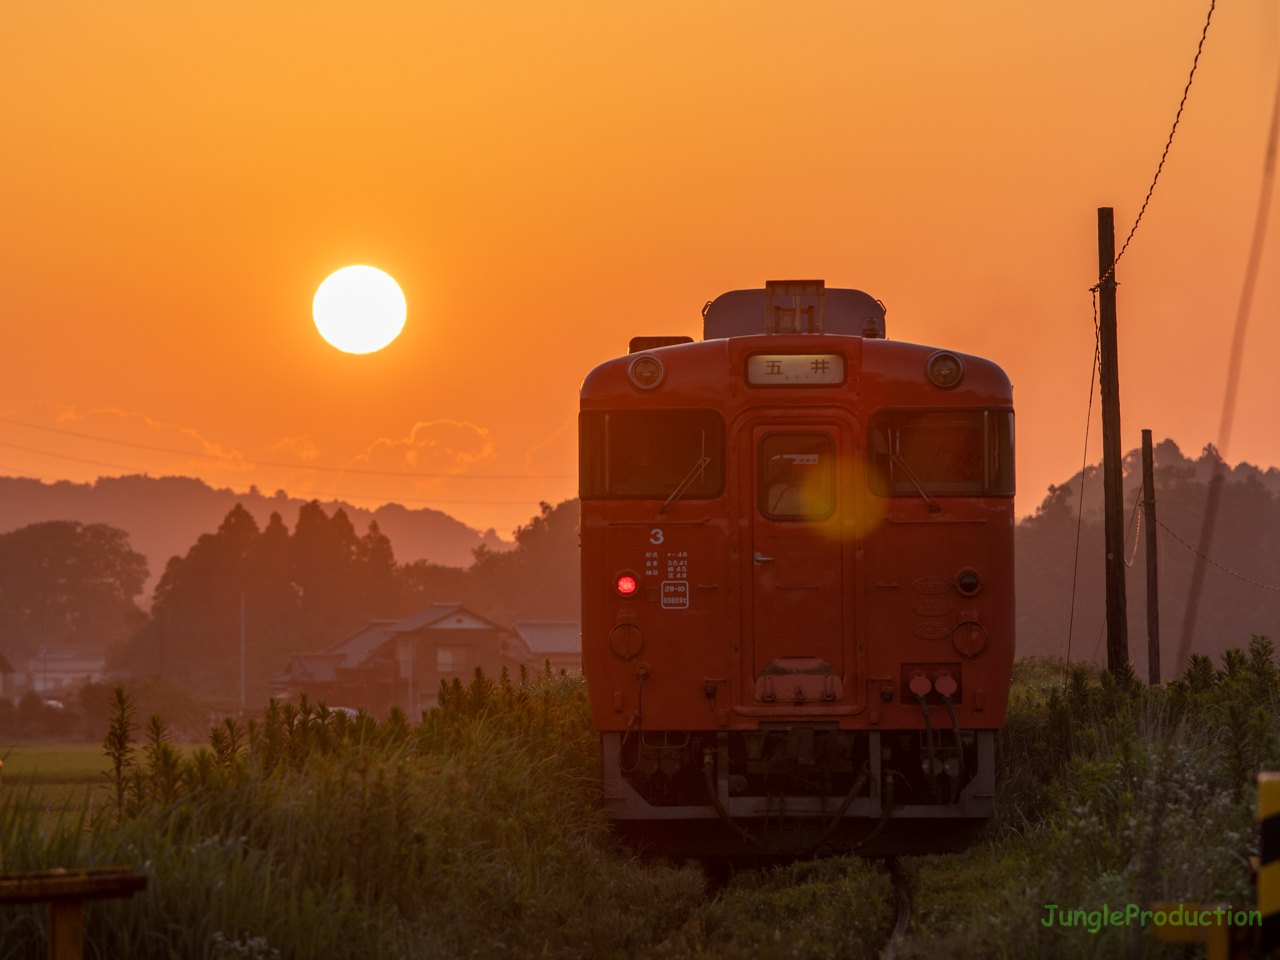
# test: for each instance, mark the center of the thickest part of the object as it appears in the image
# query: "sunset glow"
(550, 183)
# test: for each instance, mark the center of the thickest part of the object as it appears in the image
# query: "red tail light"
(626, 585)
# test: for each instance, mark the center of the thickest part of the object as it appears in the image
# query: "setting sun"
(359, 309)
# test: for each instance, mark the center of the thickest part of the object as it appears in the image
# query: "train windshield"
(648, 454)
(941, 452)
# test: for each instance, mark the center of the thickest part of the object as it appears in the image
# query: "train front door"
(797, 597)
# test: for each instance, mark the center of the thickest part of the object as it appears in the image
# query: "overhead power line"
(1186, 91)
(1207, 559)
(271, 463)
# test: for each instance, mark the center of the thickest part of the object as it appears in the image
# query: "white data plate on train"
(675, 594)
(795, 369)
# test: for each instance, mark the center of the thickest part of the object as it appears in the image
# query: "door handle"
(762, 559)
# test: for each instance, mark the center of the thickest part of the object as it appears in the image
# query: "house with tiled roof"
(557, 641)
(402, 662)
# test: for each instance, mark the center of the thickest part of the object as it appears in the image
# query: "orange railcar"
(797, 581)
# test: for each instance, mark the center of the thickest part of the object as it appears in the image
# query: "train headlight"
(646, 371)
(944, 369)
(626, 585)
(968, 582)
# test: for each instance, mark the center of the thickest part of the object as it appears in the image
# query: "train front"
(797, 581)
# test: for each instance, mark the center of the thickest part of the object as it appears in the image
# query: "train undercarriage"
(799, 788)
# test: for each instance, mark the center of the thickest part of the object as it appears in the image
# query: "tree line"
(302, 591)
(64, 582)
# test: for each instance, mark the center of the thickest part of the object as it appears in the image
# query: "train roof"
(796, 318)
(712, 372)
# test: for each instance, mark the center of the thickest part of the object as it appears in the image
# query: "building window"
(451, 659)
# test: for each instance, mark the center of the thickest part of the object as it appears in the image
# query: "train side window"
(945, 452)
(797, 476)
(650, 454)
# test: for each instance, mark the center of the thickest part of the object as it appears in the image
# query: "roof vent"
(834, 311)
(640, 344)
(798, 317)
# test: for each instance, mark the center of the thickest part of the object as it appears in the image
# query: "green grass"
(478, 832)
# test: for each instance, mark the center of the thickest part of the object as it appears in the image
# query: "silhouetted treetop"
(64, 582)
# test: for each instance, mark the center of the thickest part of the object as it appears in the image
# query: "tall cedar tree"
(302, 592)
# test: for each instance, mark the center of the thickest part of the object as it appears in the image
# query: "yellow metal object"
(1268, 794)
(1269, 859)
(1269, 888)
(1215, 935)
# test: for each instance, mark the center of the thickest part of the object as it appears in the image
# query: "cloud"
(300, 446)
(447, 447)
(113, 423)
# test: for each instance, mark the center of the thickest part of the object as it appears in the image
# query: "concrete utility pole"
(1112, 465)
(1153, 563)
(243, 698)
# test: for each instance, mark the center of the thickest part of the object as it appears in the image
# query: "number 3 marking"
(655, 535)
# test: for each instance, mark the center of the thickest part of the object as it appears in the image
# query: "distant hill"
(1246, 541)
(164, 515)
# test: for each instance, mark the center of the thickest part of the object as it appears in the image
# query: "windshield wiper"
(933, 504)
(884, 445)
(698, 467)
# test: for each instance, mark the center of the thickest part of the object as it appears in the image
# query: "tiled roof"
(437, 613)
(356, 650)
(362, 644)
(550, 636)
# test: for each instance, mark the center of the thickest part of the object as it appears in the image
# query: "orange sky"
(547, 180)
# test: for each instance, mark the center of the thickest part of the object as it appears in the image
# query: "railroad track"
(903, 894)
(684, 937)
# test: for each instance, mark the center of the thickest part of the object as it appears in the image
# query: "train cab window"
(651, 454)
(797, 476)
(941, 452)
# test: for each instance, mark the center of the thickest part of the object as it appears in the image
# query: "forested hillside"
(1247, 541)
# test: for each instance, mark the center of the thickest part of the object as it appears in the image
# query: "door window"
(797, 476)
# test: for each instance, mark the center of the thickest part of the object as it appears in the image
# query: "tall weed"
(475, 831)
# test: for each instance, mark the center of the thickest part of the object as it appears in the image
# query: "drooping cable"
(955, 732)
(928, 736)
(1186, 91)
(1084, 466)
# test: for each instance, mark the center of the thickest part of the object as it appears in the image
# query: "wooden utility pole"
(1153, 566)
(1112, 465)
(243, 699)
